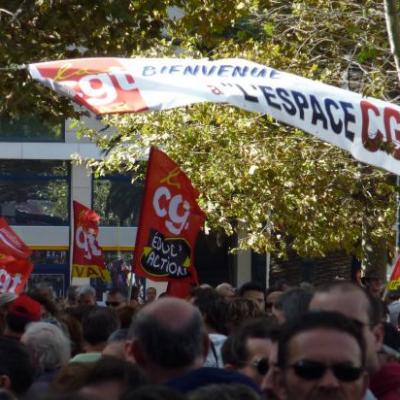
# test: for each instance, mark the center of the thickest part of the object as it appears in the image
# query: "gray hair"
(48, 345)
(86, 289)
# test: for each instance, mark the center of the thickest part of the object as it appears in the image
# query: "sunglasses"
(261, 365)
(313, 370)
(112, 303)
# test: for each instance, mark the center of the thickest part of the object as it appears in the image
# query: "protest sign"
(170, 220)
(366, 127)
(88, 259)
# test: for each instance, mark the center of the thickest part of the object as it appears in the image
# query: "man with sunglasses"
(248, 349)
(116, 298)
(321, 356)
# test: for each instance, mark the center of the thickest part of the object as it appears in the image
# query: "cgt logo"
(8, 282)
(103, 85)
(87, 242)
(175, 209)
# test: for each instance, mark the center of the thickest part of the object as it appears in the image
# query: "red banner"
(103, 85)
(15, 268)
(10, 243)
(170, 220)
(14, 275)
(394, 281)
(88, 259)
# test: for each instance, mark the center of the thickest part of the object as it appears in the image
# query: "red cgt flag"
(15, 268)
(170, 220)
(10, 243)
(88, 259)
(394, 281)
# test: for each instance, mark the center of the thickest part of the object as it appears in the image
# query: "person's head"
(153, 392)
(254, 292)
(97, 325)
(167, 339)
(125, 315)
(241, 310)
(21, 312)
(224, 392)
(355, 303)
(110, 377)
(151, 294)
(226, 290)
(16, 371)
(373, 284)
(86, 295)
(271, 299)
(248, 349)
(292, 304)
(213, 308)
(48, 346)
(71, 377)
(116, 298)
(49, 309)
(72, 297)
(43, 289)
(115, 346)
(322, 356)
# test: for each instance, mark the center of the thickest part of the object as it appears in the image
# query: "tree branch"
(393, 28)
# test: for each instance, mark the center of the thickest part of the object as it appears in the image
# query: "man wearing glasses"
(116, 298)
(321, 356)
(249, 348)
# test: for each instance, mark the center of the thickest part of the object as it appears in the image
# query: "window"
(50, 267)
(54, 257)
(30, 129)
(117, 200)
(34, 192)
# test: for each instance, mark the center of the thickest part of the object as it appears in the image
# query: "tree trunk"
(393, 28)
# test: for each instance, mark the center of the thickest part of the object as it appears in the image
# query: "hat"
(6, 298)
(25, 307)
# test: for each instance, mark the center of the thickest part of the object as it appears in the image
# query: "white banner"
(366, 127)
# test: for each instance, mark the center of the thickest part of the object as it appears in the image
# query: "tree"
(41, 30)
(288, 189)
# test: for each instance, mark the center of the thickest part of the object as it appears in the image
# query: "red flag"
(180, 289)
(88, 259)
(394, 281)
(10, 243)
(103, 85)
(170, 220)
(14, 275)
(15, 268)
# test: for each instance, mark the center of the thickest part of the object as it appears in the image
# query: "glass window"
(30, 129)
(34, 192)
(51, 267)
(117, 200)
(49, 257)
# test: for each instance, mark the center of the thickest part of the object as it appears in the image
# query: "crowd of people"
(338, 341)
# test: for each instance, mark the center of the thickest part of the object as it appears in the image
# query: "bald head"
(170, 312)
(168, 334)
(352, 301)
